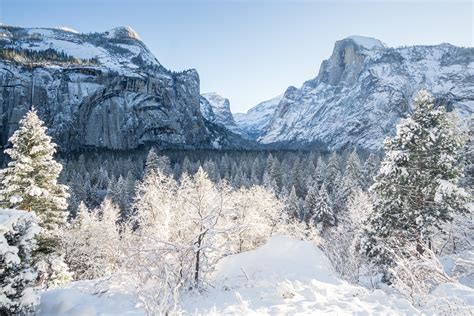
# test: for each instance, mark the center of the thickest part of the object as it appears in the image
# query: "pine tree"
(151, 162)
(323, 214)
(30, 181)
(371, 167)
(310, 203)
(354, 169)
(18, 295)
(416, 188)
(292, 204)
(320, 172)
(333, 173)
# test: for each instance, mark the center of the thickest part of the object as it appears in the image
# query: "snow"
(122, 31)
(359, 109)
(9, 217)
(284, 276)
(220, 107)
(67, 29)
(367, 42)
(287, 276)
(75, 300)
(73, 43)
(257, 118)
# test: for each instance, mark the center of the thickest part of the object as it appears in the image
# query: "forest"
(161, 220)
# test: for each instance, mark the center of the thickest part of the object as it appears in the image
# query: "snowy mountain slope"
(217, 110)
(363, 90)
(255, 121)
(100, 90)
(118, 49)
(283, 277)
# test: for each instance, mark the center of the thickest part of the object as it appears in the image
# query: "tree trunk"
(197, 266)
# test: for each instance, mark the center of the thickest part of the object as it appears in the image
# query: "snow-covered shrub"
(416, 271)
(91, 245)
(152, 268)
(342, 244)
(18, 294)
(255, 214)
(455, 236)
(53, 271)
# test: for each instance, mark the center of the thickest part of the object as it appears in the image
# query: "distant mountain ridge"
(108, 91)
(362, 91)
(101, 90)
(216, 108)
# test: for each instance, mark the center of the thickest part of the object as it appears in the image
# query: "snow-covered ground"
(283, 277)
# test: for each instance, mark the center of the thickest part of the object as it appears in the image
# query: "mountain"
(101, 90)
(216, 108)
(363, 90)
(255, 121)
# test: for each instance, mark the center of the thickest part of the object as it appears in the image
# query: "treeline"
(25, 56)
(294, 176)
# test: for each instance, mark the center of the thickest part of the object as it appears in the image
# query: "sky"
(251, 51)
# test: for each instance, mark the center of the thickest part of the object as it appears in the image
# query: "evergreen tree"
(354, 169)
(30, 181)
(416, 188)
(333, 173)
(323, 214)
(310, 203)
(292, 204)
(371, 166)
(152, 161)
(18, 295)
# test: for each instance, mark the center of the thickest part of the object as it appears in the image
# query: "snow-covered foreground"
(285, 276)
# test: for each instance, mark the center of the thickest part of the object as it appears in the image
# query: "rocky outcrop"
(363, 90)
(216, 108)
(101, 90)
(254, 122)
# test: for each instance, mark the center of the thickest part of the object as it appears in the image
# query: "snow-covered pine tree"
(310, 203)
(323, 215)
(151, 162)
(18, 295)
(30, 181)
(354, 169)
(320, 172)
(416, 188)
(370, 169)
(332, 173)
(292, 204)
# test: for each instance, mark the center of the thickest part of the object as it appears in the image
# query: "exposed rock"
(363, 90)
(253, 123)
(114, 95)
(220, 108)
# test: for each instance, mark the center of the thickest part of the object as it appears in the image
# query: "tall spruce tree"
(416, 188)
(151, 162)
(324, 213)
(30, 181)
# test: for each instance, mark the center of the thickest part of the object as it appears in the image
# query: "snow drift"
(284, 276)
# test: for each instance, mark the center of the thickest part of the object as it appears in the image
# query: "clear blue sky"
(250, 51)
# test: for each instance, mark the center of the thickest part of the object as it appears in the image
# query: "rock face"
(253, 123)
(216, 108)
(101, 90)
(363, 90)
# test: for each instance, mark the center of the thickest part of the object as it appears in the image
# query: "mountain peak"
(217, 100)
(366, 42)
(123, 32)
